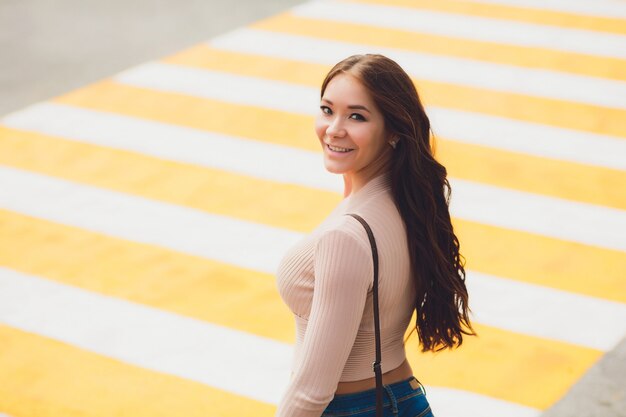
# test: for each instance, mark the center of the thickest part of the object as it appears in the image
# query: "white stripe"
(220, 86)
(490, 76)
(260, 248)
(468, 27)
(250, 157)
(529, 138)
(578, 222)
(244, 364)
(549, 216)
(276, 95)
(550, 313)
(449, 402)
(604, 8)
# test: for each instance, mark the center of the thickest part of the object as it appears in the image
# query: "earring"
(393, 144)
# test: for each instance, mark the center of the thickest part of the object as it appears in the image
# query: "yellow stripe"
(543, 261)
(522, 256)
(212, 190)
(505, 12)
(222, 294)
(545, 176)
(558, 113)
(500, 53)
(278, 69)
(517, 368)
(205, 289)
(46, 378)
(524, 172)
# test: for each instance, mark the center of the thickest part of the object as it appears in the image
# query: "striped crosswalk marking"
(525, 138)
(460, 126)
(142, 217)
(215, 355)
(289, 207)
(476, 73)
(72, 381)
(549, 105)
(603, 8)
(589, 17)
(467, 27)
(572, 181)
(226, 239)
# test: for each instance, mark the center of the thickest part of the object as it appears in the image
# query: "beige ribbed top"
(326, 280)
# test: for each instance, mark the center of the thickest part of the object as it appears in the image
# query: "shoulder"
(346, 233)
(344, 251)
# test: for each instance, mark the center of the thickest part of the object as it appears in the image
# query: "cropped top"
(326, 280)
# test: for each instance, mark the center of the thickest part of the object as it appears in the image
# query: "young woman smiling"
(374, 131)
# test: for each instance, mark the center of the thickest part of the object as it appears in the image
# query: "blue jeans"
(400, 399)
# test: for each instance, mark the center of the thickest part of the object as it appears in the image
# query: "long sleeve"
(343, 276)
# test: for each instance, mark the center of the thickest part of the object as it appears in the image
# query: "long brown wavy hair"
(421, 192)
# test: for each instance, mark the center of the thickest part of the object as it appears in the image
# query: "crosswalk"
(142, 217)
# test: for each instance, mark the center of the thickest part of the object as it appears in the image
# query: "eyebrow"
(352, 106)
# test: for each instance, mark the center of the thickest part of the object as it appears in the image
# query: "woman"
(373, 130)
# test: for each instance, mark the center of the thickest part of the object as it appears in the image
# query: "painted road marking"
(606, 8)
(245, 244)
(578, 115)
(151, 338)
(548, 216)
(540, 83)
(467, 27)
(74, 381)
(549, 177)
(555, 263)
(519, 13)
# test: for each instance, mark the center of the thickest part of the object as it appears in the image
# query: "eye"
(326, 110)
(357, 116)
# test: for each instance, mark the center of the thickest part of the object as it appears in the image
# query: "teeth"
(336, 149)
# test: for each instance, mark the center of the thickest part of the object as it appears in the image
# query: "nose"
(335, 128)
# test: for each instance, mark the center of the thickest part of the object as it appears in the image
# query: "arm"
(343, 276)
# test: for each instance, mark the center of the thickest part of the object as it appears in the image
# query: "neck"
(356, 182)
(375, 185)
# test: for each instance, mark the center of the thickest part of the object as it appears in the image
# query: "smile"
(338, 149)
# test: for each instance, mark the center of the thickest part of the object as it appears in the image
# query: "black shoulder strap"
(376, 364)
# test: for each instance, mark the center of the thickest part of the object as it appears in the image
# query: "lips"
(338, 149)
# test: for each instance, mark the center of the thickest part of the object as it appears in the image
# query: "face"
(351, 130)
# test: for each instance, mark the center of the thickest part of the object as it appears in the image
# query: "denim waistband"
(400, 389)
